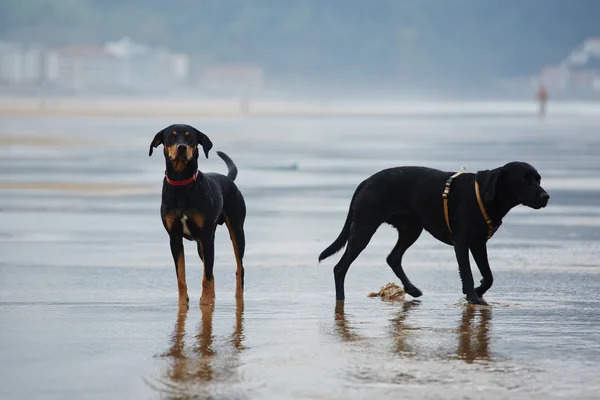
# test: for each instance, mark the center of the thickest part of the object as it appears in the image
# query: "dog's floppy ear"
(204, 141)
(158, 140)
(488, 181)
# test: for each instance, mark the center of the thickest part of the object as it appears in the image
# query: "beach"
(88, 294)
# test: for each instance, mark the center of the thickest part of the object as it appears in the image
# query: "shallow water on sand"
(88, 303)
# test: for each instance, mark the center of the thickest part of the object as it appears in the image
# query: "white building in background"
(586, 53)
(148, 69)
(81, 68)
(580, 71)
(120, 66)
(20, 65)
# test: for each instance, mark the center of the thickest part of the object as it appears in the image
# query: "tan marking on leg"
(208, 291)
(201, 251)
(239, 290)
(208, 287)
(169, 221)
(198, 220)
(181, 283)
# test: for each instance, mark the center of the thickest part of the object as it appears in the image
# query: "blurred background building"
(228, 47)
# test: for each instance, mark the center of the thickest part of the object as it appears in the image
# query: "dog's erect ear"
(158, 140)
(204, 141)
(488, 181)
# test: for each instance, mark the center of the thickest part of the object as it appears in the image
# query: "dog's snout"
(544, 197)
(181, 147)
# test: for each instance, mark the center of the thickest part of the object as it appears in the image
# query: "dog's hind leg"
(235, 226)
(358, 240)
(408, 233)
(206, 251)
(479, 252)
(176, 242)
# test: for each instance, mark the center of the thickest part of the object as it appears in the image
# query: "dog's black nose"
(545, 197)
(181, 147)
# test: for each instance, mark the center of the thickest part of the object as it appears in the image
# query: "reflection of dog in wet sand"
(463, 210)
(399, 330)
(473, 340)
(473, 333)
(194, 203)
(203, 365)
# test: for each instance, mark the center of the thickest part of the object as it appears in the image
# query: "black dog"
(463, 210)
(193, 204)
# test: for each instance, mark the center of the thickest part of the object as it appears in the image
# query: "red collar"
(183, 182)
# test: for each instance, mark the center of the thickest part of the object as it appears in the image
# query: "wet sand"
(228, 107)
(88, 299)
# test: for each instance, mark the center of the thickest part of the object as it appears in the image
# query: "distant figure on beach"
(542, 97)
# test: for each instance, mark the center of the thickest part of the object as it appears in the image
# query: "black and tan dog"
(462, 209)
(194, 203)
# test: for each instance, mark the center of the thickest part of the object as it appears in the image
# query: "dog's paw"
(477, 301)
(480, 292)
(413, 291)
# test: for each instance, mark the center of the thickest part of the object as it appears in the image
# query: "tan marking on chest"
(186, 230)
(179, 165)
(197, 221)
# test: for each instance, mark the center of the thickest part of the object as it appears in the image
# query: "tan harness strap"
(491, 228)
(445, 197)
(488, 221)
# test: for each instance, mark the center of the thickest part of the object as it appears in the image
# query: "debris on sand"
(289, 167)
(391, 291)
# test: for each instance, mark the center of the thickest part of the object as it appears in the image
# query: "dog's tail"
(231, 168)
(341, 240)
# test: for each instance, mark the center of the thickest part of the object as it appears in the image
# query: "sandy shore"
(88, 294)
(230, 107)
(40, 141)
(75, 187)
(73, 332)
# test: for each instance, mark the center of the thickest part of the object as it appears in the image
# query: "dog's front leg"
(176, 242)
(206, 251)
(479, 251)
(461, 249)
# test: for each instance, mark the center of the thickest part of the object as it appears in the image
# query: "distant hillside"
(385, 40)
